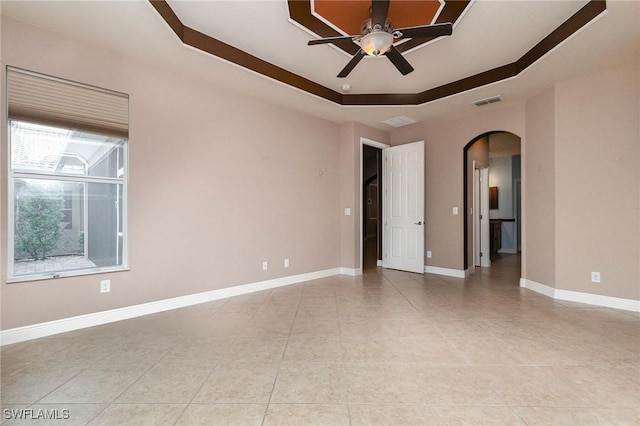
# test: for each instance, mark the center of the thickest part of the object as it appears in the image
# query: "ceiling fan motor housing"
(376, 41)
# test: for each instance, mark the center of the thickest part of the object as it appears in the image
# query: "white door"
(403, 182)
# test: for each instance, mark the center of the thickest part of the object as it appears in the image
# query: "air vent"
(403, 120)
(487, 101)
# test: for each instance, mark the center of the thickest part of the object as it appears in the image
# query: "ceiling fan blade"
(399, 61)
(330, 40)
(379, 9)
(435, 30)
(352, 64)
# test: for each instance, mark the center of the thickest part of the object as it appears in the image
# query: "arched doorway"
(492, 198)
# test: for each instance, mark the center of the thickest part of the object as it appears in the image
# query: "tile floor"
(385, 348)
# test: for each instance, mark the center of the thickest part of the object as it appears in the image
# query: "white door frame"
(381, 146)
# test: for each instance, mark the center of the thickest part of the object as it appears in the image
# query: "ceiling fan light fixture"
(376, 43)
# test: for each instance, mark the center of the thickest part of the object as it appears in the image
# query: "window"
(67, 178)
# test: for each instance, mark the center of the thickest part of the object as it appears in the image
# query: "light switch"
(347, 211)
(455, 210)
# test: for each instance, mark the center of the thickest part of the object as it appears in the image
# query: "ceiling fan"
(377, 36)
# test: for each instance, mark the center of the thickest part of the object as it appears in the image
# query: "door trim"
(381, 146)
(480, 223)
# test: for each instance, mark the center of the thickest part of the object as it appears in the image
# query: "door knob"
(418, 223)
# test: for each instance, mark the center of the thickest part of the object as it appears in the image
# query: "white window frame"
(122, 178)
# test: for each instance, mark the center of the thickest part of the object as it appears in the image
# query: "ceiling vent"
(403, 120)
(487, 101)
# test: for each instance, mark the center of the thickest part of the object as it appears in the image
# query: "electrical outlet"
(428, 254)
(105, 286)
(265, 265)
(595, 277)
(286, 263)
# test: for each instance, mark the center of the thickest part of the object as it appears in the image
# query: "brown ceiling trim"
(222, 50)
(232, 54)
(163, 8)
(451, 12)
(439, 92)
(581, 18)
(300, 11)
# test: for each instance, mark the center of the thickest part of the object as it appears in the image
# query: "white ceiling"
(489, 34)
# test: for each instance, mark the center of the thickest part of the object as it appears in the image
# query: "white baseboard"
(579, 297)
(457, 273)
(379, 262)
(352, 272)
(508, 250)
(20, 334)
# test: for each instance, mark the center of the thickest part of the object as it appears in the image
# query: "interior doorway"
(497, 198)
(371, 207)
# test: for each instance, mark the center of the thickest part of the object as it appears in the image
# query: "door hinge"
(480, 254)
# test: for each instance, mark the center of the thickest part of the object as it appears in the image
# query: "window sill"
(64, 274)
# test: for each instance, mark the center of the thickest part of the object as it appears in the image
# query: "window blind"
(55, 102)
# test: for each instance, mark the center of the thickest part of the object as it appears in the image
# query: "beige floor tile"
(561, 416)
(621, 415)
(166, 383)
(56, 414)
(197, 352)
(238, 383)
(603, 386)
(268, 327)
(34, 351)
(390, 414)
(310, 382)
(453, 385)
(222, 415)
(473, 415)
(257, 349)
(312, 324)
(537, 386)
(316, 347)
(12, 413)
(138, 415)
(380, 383)
(146, 351)
(223, 328)
(485, 349)
(97, 384)
(30, 382)
(372, 349)
(88, 351)
(307, 414)
(434, 350)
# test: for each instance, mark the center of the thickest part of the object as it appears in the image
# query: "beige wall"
(218, 183)
(538, 181)
(597, 179)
